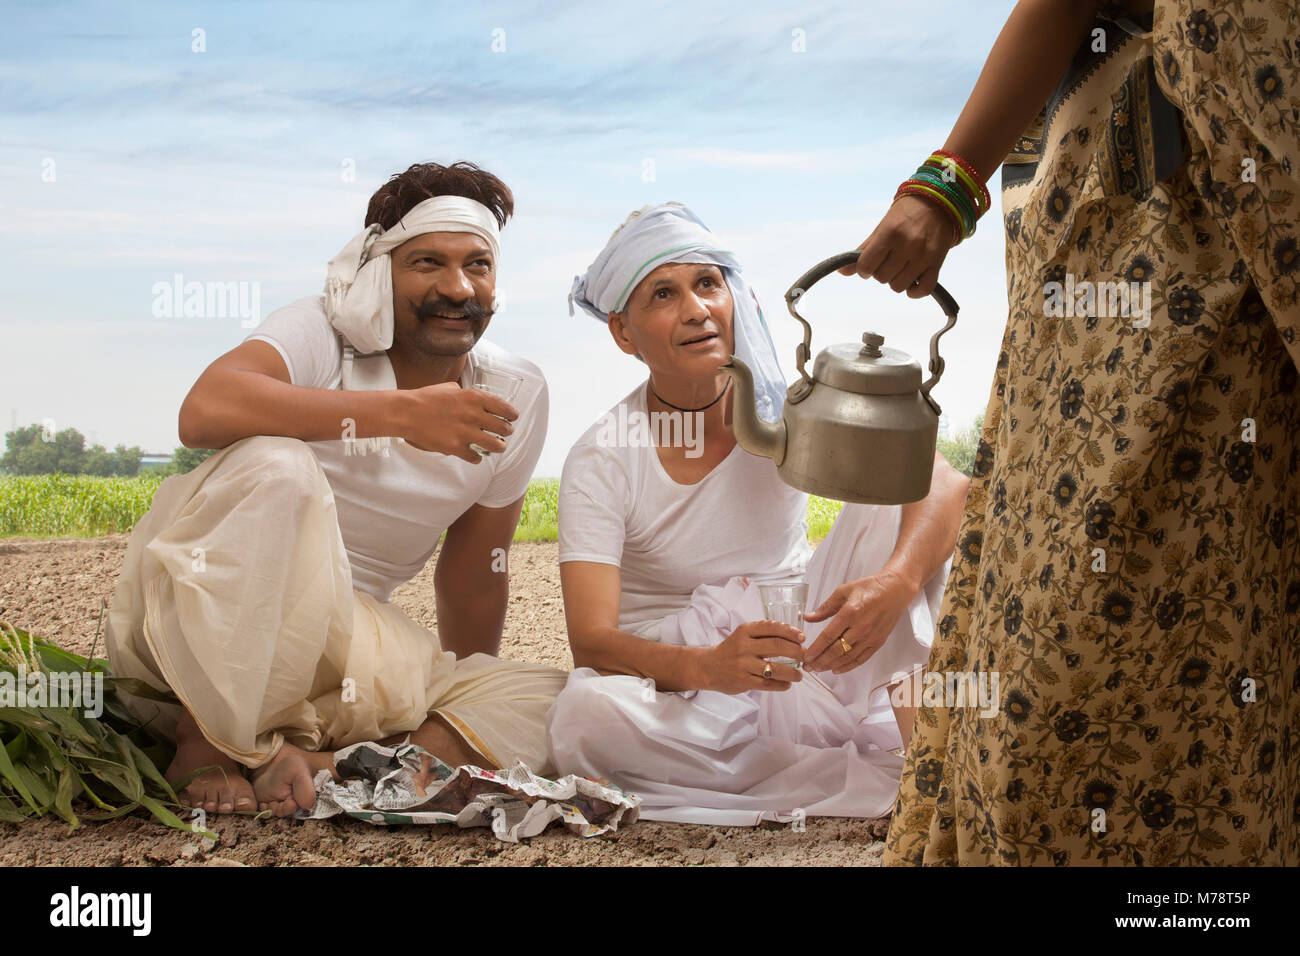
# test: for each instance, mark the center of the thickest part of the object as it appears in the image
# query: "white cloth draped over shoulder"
(359, 285)
(826, 747)
(394, 500)
(239, 595)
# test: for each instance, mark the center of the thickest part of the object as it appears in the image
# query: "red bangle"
(988, 203)
(908, 190)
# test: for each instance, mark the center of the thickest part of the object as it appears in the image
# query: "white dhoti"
(825, 747)
(237, 595)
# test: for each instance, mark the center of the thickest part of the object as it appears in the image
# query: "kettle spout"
(756, 436)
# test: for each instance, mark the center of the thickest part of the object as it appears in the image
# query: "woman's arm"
(1027, 62)
(1022, 70)
(591, 599)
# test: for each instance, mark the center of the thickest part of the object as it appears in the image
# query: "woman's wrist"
(950, 184)
(933, 210)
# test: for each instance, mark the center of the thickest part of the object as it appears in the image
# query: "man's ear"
(618, 329)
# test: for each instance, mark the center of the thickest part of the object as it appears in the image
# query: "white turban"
(670, 232)
(359, 280)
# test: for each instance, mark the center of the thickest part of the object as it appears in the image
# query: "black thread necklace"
(725, 385)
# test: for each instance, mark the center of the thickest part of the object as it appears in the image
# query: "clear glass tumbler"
(494, 381)
(784, 603)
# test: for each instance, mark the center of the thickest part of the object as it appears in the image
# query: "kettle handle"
(820, 271)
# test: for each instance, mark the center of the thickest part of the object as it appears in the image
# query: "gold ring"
(767, 671)
(846, 645)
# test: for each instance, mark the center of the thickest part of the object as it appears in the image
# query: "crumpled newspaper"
(407, 784)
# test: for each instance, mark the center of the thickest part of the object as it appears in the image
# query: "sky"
(239, 142)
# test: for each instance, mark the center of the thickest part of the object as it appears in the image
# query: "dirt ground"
(54, 588)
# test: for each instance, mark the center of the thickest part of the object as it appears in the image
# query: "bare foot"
(224, 790)
(436, 736)
(284, 784)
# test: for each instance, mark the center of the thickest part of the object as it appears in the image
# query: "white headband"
(359, 280)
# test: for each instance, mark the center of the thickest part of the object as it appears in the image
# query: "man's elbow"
(582, 647)
(190, 427)
(196, 428)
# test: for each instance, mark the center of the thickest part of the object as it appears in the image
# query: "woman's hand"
(736, 665)
(907, 248)
(863, 613)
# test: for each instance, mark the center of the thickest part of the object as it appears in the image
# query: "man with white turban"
(257, 587)
(662, 543)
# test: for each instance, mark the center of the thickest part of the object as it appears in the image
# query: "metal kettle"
(863, 426)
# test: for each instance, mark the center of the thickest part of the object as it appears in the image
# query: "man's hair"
(404, 191)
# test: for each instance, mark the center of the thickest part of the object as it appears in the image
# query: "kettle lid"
(868, 369)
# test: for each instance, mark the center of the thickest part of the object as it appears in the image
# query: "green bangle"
(939, 164)
(951, 189)
(955, 193)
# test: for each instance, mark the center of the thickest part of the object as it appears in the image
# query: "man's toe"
(304, 793)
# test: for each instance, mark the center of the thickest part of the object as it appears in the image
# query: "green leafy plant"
(53, 756)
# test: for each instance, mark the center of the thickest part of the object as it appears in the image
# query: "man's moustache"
(466, 310)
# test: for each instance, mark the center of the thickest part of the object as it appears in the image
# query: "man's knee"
(285, 463)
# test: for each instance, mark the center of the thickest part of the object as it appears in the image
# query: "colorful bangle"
(970, 170)
(952, 183)
(960, 197)
(957, 197)
(949, 169)
(915, 189)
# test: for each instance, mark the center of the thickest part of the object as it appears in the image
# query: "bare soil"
(54, 588)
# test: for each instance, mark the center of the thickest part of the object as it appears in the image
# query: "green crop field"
(537, 522)
(82, 506)
(821, 515)
(73, 506)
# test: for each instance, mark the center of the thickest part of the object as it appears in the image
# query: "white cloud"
(743, 160)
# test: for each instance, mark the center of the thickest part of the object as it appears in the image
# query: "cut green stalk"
(51, 757)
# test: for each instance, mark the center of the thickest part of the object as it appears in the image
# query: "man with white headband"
(663, 543)
(257, 588)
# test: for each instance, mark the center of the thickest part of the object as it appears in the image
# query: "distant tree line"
(30, 450)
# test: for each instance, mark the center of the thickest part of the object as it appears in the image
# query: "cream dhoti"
(236, 593)
(826, 747)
